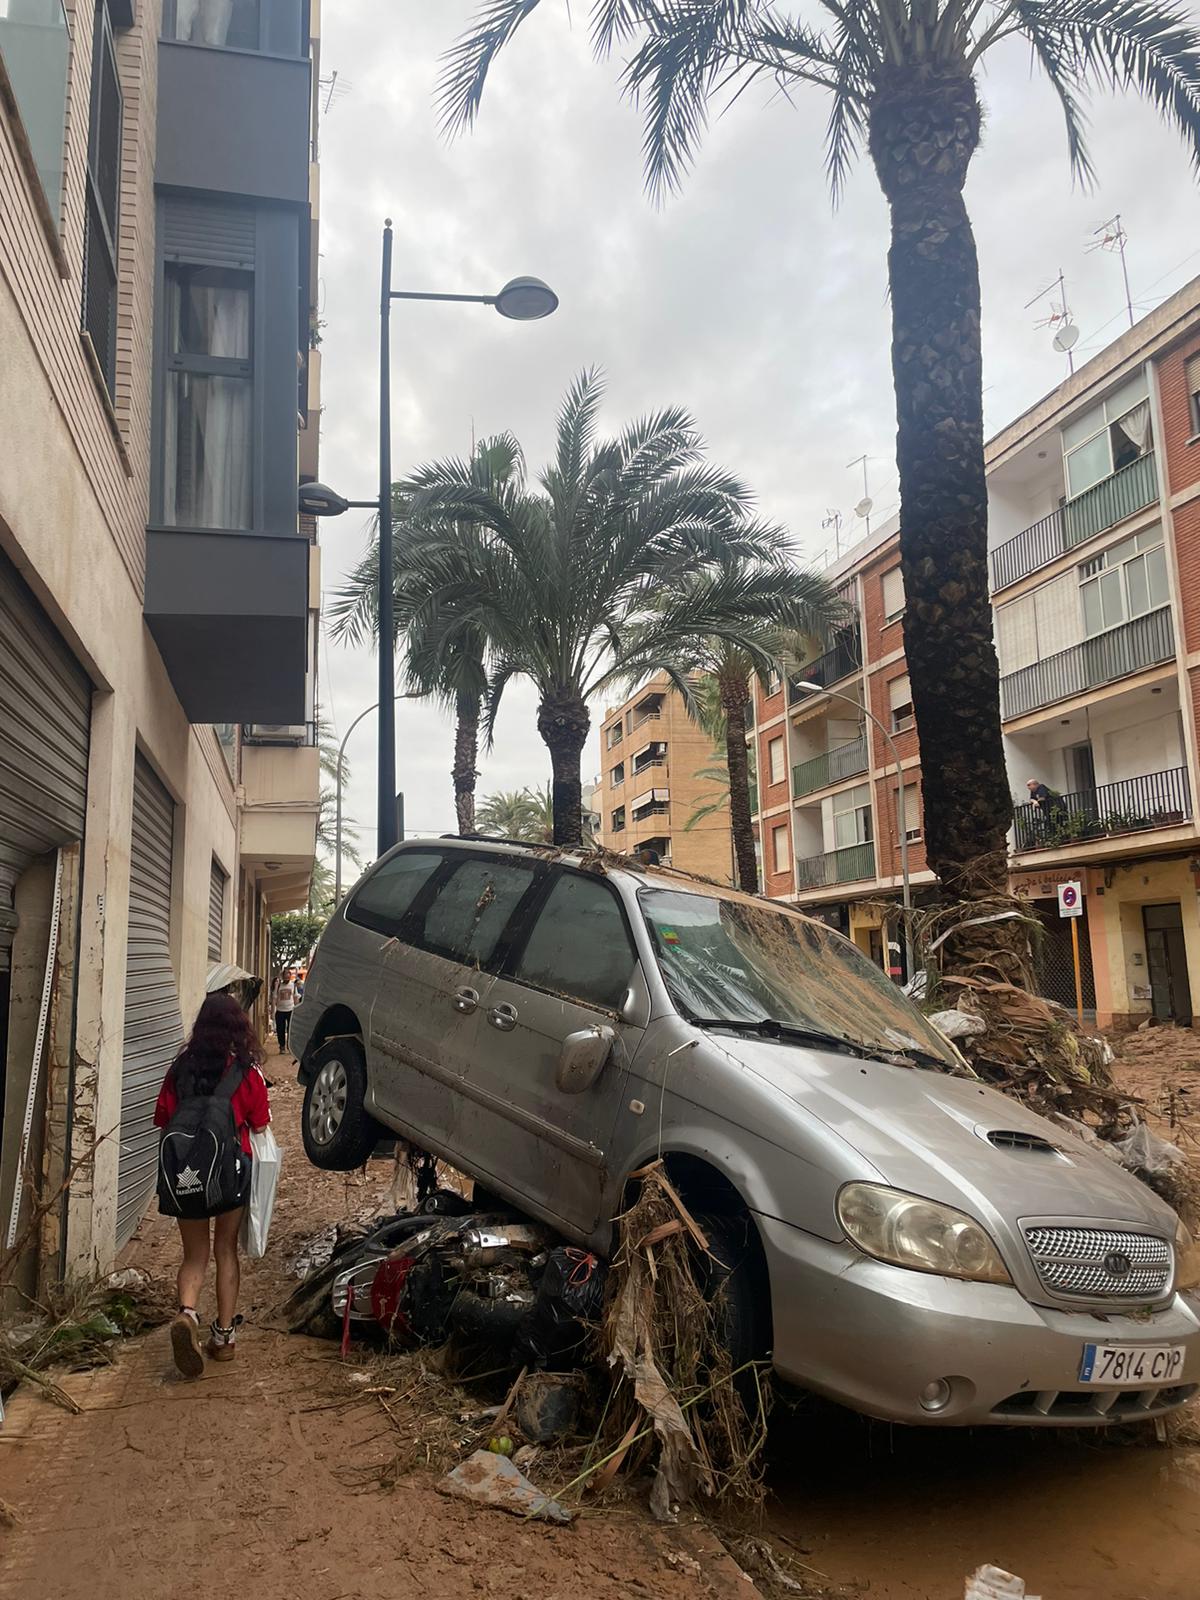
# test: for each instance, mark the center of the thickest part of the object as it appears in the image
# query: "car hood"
(926, 1132)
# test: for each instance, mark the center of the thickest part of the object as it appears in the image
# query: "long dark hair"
(222, 1035)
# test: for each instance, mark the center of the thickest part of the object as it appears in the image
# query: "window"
(208, 397)
(775, 755)
(580, 945)
(1192, 380)
(103, 200)
(383, 899)
(893, 594)
(779, 848)
(614, 734)
(1110, 436)
(852, 816)
(226, 24)
(774, 683)
(617, 775)
(618, 820)
(472, 908)
(900, 700)
(1125, 581)
(912, 810)
(36, 46)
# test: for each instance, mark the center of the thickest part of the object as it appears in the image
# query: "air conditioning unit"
(275, 732)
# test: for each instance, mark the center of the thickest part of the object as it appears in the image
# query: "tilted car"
(912, 1244)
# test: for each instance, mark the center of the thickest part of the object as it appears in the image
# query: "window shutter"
(1016, 634)
(208, 233)
(1056, 616)
(899, 692)
(778, 770)
(893, 593)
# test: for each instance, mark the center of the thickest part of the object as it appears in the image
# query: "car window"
(579, 946)
(382, 900)
(472, 908)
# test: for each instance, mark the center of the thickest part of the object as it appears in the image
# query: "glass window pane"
(227, 24)
(209, 312)
(1117, 553)
(382, 900)
(1083, 427)
(472, 909)
(1156, 573)
(1092, 622)
(206, 437)
(845, 829)
(1112, 601)
(1126, 397)
(1137, 587)
(1089, 464)
(36, 46)
(579, 946)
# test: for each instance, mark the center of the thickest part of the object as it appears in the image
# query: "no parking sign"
(1070, 899)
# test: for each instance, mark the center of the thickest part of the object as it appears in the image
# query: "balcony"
(849, 865)
(638, 719)
(1132, 805)
(649, 763)
(1145, 642)
(282, 782)
(845, 762)
(835, 664)
(1102, 506)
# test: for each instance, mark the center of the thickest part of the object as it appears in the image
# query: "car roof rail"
(497, 838)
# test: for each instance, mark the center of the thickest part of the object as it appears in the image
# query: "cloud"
(746, 298)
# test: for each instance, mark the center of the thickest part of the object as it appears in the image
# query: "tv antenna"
(334, 88)
(1111, 236)
(833, 519)
(866, 505)
(1066, 333)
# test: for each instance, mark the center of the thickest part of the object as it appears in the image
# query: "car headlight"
(910, 1232)
(1187, 1258)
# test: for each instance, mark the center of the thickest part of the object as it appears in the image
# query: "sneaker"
(185, 1345)
(222, 1342)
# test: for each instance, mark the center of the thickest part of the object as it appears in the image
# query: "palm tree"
(457, 680)
(512, 815)
(720, 709)
(902, 75)
(625, 555)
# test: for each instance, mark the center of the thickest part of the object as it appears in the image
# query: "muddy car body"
(920, 1247)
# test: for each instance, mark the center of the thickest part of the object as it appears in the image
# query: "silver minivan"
(913, 1244)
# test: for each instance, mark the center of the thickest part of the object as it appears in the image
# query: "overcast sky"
(747, 298)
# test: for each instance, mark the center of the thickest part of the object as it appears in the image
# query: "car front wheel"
(339, 1132)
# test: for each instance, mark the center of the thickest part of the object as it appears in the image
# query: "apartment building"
(657, 776)
(1094, 508)
(158, 597)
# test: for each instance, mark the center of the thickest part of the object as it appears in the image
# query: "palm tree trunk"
(466, 753)
(924, 129)
(735, 691)
(563, 723)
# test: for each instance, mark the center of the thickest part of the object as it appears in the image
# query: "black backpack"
(202, 1168)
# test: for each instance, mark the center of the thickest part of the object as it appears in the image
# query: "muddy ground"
(262, 1477)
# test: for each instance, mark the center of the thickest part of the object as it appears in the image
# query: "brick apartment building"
(652, 783)
(1094, 504)
(158, 597)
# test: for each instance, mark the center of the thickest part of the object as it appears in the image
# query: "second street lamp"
(520, 300)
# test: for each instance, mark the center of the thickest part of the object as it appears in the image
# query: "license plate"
(1130, 1365)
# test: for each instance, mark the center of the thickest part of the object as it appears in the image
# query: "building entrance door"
(1166, 959)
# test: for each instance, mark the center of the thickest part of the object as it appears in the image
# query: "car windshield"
(733, 962)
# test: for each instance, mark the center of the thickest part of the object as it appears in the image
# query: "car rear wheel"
(339, 1132)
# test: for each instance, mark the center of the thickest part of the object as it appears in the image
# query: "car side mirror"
(584, 1056)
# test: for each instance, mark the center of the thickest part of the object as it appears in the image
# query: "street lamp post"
(901, 812)
(520, 300)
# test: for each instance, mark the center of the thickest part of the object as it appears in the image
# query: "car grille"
(1091, 1262)
(1084, 1406)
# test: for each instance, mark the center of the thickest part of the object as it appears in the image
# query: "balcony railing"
(1145, 642)
(1132, 805)
(658, 808)
(835, 664)
(845, 762)
(1102, 506)
(649, 763)
(849, 865)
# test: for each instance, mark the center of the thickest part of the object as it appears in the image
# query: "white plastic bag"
(264, 1180)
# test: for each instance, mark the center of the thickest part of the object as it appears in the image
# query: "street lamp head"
(813, 688)
(319, 500)
(526, 300)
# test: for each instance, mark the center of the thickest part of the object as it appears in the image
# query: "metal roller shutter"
(216, 912)
(45, 713)
(153, 1028)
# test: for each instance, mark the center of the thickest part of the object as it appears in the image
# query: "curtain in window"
(203, 21)
(1135, 425)
(206, 475)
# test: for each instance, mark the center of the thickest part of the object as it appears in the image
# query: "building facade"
(1094, 514)
(657, 778)
(158, 597)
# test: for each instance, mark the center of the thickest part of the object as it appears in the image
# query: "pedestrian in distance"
(213, 1096)
(285, 1004)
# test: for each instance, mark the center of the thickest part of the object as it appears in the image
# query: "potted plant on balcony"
(1124, 822)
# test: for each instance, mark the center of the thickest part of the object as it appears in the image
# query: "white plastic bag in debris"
(1143, 1151)
(957, 1024)
(993, 1583)
(264, 1180)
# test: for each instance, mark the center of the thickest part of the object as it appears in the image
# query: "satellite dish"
(864, 507)
(1066, 338)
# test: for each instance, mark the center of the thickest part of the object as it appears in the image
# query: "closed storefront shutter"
(216, 912)
(153, 1029)
(45, 713)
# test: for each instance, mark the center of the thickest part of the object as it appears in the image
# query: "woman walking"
(285, 1004)
(214, 1083)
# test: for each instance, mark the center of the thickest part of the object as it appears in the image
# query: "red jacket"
(251, 1108)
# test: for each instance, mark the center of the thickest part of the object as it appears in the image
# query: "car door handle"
(503, 1017)
(466, 1001)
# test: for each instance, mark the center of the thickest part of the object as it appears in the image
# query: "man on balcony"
(1048, 802)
